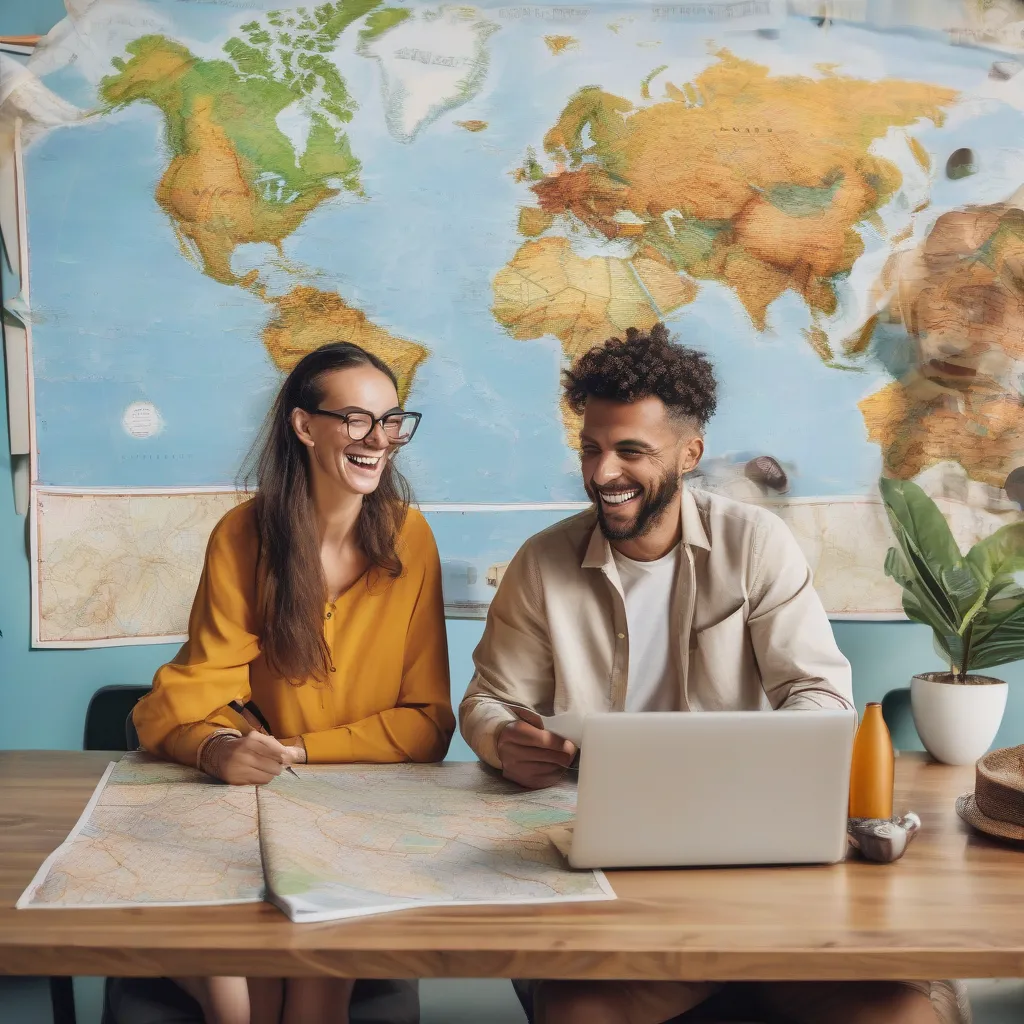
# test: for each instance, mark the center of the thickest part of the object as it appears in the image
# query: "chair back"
(899, 719)
(108, 724)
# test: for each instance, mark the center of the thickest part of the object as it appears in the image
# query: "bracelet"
(211, 752)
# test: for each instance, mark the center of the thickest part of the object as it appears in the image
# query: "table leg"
(62, 999)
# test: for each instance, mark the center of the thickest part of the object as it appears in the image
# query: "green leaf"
(896, 566)
(949, 648)
(961, 582)
(962, 586)
(925, 538)
(921, 519)
(973, 603)
(1004, 591)
(999, 555)
(990, 654)
(999, 626)
(996, 561)
(918, 604)
(927, 586)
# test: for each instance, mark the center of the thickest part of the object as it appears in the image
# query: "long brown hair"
(291, 588)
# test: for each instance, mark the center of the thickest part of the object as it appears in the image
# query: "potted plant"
(974, 604)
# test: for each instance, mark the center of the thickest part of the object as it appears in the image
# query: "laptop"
(668, 789)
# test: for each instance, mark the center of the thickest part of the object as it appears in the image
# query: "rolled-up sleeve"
(513, 660)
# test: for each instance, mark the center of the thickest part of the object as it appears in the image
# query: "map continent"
(959, 298)
(235, 177)
(751, 180)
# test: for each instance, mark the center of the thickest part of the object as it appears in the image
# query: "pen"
(262, 724)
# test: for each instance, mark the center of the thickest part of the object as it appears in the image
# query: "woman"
(320, 601)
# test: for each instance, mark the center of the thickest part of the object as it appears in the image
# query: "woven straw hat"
(997, 804)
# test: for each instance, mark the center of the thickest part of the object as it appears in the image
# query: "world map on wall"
(478, 194)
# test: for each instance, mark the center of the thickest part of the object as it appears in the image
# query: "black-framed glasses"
(397, 424)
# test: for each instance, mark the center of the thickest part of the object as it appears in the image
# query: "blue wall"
(43, 694)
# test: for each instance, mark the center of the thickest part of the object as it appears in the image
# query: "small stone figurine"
(883, 839)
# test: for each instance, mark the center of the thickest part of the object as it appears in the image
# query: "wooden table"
(953, 907)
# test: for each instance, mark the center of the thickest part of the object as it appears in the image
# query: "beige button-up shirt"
(752, 633)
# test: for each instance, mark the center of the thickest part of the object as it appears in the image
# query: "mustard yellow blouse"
(388, 698)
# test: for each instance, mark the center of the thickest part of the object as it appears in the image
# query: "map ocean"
(120, 316)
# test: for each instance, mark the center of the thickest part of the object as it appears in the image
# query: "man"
(658, 599)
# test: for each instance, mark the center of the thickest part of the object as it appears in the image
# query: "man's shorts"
(654, 1002)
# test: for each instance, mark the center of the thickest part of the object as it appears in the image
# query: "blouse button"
(621, 636)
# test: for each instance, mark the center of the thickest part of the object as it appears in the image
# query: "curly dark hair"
(642, 366)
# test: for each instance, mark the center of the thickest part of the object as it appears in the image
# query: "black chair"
(108, 723)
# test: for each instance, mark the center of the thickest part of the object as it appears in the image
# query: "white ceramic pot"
(957, 722)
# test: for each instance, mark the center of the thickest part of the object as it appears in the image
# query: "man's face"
(633, 455)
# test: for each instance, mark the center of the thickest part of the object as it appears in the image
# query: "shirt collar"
(599, 552)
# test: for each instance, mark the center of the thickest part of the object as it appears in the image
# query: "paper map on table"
(339, 841)
(360, 839)
(155, 834)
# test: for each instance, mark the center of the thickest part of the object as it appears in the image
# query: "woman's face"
(354, 466)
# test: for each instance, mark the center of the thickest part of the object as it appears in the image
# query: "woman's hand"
(251, 760)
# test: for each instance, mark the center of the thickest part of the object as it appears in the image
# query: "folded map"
(339, 841)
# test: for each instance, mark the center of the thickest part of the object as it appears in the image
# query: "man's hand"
(251, 760)
(533, 757)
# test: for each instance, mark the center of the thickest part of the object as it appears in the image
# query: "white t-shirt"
(649, 588)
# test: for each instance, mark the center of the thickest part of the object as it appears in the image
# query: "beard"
(652, 508)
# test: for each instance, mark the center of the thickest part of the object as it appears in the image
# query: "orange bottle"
(871, 773)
